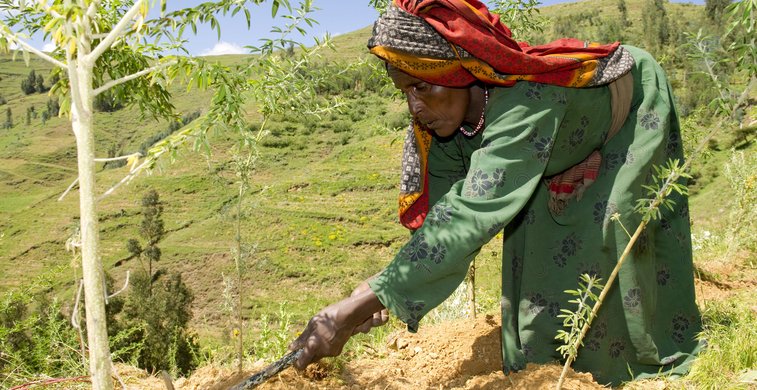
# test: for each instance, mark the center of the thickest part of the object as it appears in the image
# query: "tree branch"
(118, 158)
(75, 311)
(126, 284)
(15, 39)
(112, 83)
(115, 33)
(132, 174)
(63, 195)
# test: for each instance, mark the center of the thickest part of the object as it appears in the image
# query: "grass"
(730, 329)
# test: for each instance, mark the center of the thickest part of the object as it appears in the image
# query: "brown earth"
(463, 354)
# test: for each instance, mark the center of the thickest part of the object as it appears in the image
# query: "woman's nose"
(413, 104)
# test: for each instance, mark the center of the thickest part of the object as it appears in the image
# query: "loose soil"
(462, 354)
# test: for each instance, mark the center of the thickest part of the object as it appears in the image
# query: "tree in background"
(8, 118)
(655, 22)
(28, 86)
(624, 21)
(152, 230)
(39, 84)
(53, 107)
(715, 9)
(152, 327)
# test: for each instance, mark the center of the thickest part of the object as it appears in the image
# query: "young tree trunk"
(240, 341)
(100, 366)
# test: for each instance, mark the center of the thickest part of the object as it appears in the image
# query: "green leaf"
(274, 8)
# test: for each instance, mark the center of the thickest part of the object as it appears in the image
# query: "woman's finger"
(365, 327)
(381, 318)
(309, 351)
(299, 342)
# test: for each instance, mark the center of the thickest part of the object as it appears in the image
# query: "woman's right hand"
(379, 318)
(328, 331)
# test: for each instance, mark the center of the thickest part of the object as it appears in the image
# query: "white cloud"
(48, 47)
(222, 48)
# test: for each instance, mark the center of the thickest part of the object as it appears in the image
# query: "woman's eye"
(421, 87)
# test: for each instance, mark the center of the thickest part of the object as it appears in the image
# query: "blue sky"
(334, 16)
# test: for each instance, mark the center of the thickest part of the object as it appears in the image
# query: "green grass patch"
(730, 329)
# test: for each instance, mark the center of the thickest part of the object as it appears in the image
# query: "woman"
(546, 143)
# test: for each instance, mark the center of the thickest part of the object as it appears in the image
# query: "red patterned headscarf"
(456, 43)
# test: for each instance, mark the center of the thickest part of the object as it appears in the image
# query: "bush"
(53, 107)
(341, 126)
(741, 173)
(28, 85)
(107, 102)
(36, 338)
(152, 329)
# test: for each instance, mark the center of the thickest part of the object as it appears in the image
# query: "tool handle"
(272, 369)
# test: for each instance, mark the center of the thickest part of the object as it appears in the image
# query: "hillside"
(321, 215)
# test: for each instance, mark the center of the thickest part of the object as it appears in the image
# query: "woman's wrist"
(362, 306)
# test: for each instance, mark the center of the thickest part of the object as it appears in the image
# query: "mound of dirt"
(463, 354)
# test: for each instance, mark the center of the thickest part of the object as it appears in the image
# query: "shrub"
(53, 107)
(28, 85)
(35, 337)
(107, 102)
(152, 329)
(275, 143)
(341, 126)
(741, 173)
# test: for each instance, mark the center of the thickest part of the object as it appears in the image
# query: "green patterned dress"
(495, 180)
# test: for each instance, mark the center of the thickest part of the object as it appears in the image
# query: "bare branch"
(119, 158)
(126, 284)
(116, 32)
(75, 311)
(68, 189)
(118, 377)
(112, 83)
(15, 39)
(132, 174)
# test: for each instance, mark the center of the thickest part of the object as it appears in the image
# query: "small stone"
(433, 355)
(418, 349)
(402, 343)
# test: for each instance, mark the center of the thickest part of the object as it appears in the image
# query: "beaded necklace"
(480, 124)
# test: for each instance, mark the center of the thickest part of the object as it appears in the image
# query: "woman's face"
(441, 109)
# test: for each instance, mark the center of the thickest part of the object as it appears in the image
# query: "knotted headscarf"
(455, 43)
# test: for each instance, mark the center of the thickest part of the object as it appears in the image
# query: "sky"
(334, 16)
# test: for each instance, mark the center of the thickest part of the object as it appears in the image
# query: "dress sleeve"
(503, 174)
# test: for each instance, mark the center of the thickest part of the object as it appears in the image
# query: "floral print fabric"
(481, 185)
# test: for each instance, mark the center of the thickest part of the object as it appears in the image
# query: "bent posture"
(545, 143)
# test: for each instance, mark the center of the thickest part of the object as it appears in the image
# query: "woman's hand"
(328, 331)
(377, 319)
